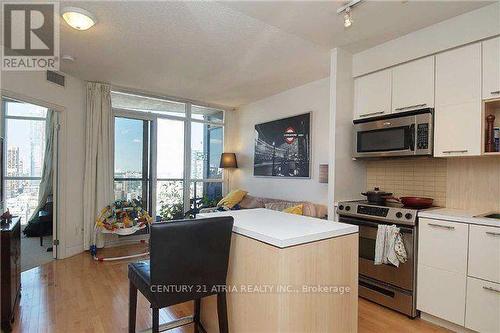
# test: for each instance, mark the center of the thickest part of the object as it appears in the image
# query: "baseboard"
(444, 323)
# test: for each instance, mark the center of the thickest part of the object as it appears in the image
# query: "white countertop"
(282, 229)
(458, 215)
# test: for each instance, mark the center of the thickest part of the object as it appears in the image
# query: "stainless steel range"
(388, 285)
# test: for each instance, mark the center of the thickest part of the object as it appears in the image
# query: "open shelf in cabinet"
(490, 107)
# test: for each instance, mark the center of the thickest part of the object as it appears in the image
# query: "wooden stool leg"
(196, 316)
(132, 307)
(156, 320)
(222, 312)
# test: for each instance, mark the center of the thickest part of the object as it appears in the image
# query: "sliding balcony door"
(176, 165)
(170, 160)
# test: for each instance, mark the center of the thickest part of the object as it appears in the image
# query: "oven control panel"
(386, 214)
(372, 210)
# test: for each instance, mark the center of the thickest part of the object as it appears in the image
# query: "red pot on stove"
(416, 202)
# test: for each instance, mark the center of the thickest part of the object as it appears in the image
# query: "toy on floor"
(124, 217)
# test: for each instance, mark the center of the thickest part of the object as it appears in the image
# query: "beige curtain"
(48, 160)
(98, 177)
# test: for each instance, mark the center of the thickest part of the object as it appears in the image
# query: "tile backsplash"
(409, 177)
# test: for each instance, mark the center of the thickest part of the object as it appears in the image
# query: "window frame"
(146, 157)
(187, 119)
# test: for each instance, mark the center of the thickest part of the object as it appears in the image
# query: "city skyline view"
(206, 148)
(25, 145)
(24, 149)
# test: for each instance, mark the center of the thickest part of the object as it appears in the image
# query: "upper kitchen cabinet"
(413, 85)
(491, 68)
(372, 94)
(457, 128)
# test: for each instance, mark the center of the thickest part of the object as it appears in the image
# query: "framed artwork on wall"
(283, 147)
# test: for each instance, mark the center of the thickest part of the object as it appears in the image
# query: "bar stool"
(188, 261)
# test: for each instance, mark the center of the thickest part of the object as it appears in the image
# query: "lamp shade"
(228, 160)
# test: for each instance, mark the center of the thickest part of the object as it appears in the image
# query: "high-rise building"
(37, 142)
(13, 161)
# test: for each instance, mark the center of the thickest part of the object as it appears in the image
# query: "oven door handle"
(370, 224)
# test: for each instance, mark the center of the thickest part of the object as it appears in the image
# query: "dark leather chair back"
(189, 258)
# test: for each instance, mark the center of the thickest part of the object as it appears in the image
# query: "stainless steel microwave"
(402, 134)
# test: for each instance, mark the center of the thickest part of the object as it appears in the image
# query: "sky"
(128, 146)
(18, 133)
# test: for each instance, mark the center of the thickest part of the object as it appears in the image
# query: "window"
(170, 169)
(23, 156)
(132, 179)
(156, 159)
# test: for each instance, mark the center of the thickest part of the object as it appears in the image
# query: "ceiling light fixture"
(68, 58)
(78, 18)
(347, 11)
(347, 17)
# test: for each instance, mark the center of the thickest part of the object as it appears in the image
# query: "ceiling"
(231, 53)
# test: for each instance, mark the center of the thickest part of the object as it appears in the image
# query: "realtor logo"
(31, 36)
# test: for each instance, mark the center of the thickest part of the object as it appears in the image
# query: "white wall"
(313, 97)
(349, 176)
(71, 99)
(478, 24)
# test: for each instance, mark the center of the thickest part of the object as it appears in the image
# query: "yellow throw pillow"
(297, 210)
(232, 198)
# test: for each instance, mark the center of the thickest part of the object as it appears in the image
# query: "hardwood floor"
(80, 295)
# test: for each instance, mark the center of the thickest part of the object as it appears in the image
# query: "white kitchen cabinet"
(441, 293)
(484, 253)
(372, 94)
(442, 269)
(413, 85)
(457, 125)
(457, 130)
(443, 245)
(458, 75)
(491, 68)
(483, 306)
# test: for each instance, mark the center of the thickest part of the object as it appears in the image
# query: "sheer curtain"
(98, 176)
(48, 157)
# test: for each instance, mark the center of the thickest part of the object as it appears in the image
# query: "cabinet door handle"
(449, 227)
(410, 107)
(371, 114)
(454, 151)
(495, 92)
(491, 289)
(493, 233)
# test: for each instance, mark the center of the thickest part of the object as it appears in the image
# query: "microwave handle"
(412, 137)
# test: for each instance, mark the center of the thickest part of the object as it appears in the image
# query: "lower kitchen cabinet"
(441, 293)
(443, 245)
(484, 253)
(483, 306)
(448, 288)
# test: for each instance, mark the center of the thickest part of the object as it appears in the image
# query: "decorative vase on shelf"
(490, 137)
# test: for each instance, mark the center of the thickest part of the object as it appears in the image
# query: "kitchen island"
(288, 273)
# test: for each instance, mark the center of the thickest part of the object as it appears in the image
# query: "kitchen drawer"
(441, 293)
(484, 253)
(483, 306)
(443, 245)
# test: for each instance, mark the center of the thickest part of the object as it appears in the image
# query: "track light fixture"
(347, 17)
(346, 10)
